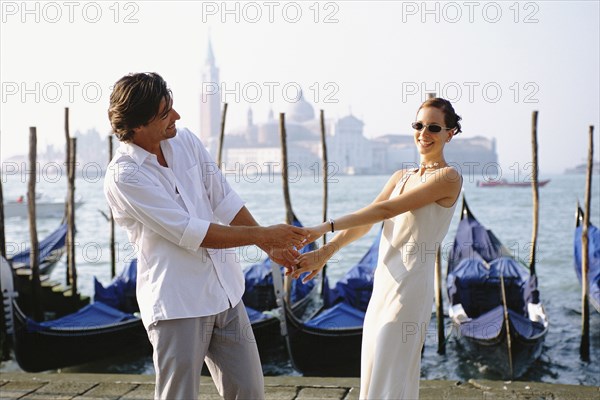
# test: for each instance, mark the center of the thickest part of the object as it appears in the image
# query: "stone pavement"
(19, 385)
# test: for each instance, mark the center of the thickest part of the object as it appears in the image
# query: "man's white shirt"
(166, 213)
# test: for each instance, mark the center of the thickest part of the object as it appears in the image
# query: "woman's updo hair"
(451, 118)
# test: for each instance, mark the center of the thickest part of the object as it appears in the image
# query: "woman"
(416, 206)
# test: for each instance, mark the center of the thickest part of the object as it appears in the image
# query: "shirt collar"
(138, 154)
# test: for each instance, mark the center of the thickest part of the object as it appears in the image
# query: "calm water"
(507, 211)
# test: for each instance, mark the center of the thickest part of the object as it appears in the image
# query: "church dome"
(300, 111)
(350, 121)
(268, 134)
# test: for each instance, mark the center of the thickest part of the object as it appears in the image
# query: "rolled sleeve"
(194, 234)
(229, 207)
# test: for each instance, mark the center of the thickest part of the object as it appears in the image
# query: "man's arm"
(286, 256)
(137, 197)
(280, 236)
(244, 218)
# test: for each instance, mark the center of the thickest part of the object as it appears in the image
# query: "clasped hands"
(284, 242)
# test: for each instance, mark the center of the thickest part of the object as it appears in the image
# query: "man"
(166, 191)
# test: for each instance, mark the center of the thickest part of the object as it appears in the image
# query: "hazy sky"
(498, 61)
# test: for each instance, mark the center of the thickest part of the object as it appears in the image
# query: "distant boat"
(44, 207)
(582, 168)
(504, 182)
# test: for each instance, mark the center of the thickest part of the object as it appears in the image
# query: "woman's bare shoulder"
(398, 175)
(391, 183)
(451, 174)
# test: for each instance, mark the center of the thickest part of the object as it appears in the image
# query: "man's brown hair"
(135, 101)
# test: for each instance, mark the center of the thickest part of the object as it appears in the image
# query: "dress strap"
(405, 177)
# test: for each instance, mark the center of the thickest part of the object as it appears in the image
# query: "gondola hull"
(492, 349)
(267, 332)
(54, 348)
(323, 352)
(328, 343)
(493, 354)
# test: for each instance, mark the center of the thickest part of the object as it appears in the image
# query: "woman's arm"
(350, 234)
(445, 185)
(314, 261)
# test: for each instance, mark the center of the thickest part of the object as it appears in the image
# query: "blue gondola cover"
(356, 287)
(339, 316)
(594, 260)
(54, 241)
(489, 325)
(474, 240)
(94, 315)
(120, 294)
(478, 288)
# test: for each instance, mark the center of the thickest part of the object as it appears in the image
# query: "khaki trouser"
(225, 341)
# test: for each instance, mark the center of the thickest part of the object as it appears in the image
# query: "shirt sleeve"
(134, 195)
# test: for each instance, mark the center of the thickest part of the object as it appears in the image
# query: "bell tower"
(210, 102)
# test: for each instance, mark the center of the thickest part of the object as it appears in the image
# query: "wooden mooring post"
(68, 166)
(439, 303)
(222, 136)
(584, 347)
(536, 192)
(2, 232)
(71, 269)
(289, 213)
(36, 288)
(324, 169)
(325, 188)
(4, 337)
(111, 244)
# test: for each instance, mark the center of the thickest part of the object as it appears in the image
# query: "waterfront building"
(256, 146)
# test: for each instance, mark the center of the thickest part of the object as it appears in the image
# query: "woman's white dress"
(400, 307)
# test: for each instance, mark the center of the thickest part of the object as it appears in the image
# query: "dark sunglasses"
(433, 128)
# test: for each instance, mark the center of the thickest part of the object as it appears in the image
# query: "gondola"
(112, 326)
(259, 298)
(593, 256)
(261, 303)
(94, 332)
(51, 249)
(494, 301)
(329, 342)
